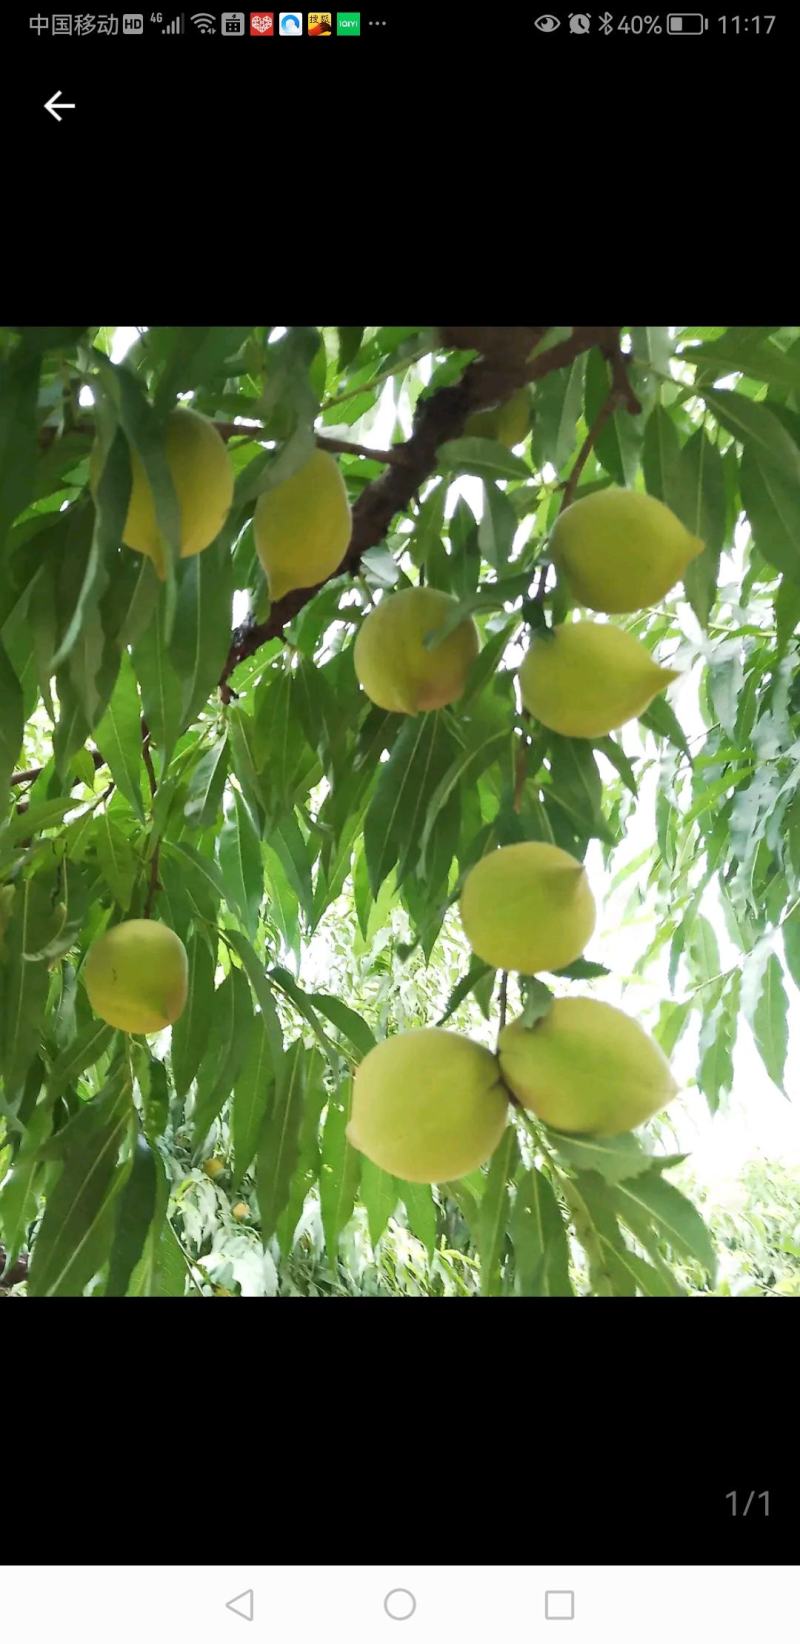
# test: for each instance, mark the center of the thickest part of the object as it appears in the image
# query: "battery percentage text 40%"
(632, 25)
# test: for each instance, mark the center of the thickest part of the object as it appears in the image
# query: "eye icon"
(548, 23)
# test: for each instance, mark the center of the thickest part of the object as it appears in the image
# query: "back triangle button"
(242, 1604)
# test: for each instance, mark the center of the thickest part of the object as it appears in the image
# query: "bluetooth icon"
(606, 23)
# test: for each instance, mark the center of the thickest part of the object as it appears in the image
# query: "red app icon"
(262, 23)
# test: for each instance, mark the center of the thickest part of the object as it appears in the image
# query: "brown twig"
(503, 999)
(30, 776)
(240, 430)
(16, 1273)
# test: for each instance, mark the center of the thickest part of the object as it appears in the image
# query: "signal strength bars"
(175, 27)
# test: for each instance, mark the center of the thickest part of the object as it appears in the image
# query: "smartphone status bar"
(231, 25)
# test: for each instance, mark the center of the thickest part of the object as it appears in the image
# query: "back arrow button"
(52, 105)
(242, 1604)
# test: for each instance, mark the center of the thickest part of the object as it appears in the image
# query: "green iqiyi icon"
(348, 22)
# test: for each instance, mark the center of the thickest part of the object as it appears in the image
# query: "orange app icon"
(319, 22)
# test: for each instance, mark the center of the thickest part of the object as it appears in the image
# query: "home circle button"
(400, 1604)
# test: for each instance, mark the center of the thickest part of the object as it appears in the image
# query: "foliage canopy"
(233, 781)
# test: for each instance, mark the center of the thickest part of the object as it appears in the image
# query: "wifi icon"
(204, 22)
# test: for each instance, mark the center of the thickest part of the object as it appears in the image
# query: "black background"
(429, 1432)
(471, 165)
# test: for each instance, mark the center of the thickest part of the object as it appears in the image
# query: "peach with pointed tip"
(621, 550)
(527, 907)
(587, 678)
(586, 1068)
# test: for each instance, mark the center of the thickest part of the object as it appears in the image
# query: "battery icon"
(685, 22)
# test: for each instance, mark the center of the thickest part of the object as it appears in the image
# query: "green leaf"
(204, 795)
(582, 970)
(772, 504)
(202, 632)
(110, 511)
(769, 1021)
(702, 507)
(135, 1211)
(190, 1032)
(201, 874)
(308, 1155)
(145, 432)
(349, 1023)
(790, 930)
(19, 381)
(82, 1053)
(537, 1000)
(615, 1158)
(493, 1220)
(340, 1170)
(160, 1270)
(12, 719)
(24, 991)
(758, 429)
(119, 736)
(406, 783)
(279, 1146)
(478, 972)
(625, 1268)
(618, 445)
(675, 1218)
(661, 460)
(487, 458)
(539, 1238)
(497, 528)
(420, 1213)
(737, 351)
(379, 1193)
(559, 398)
(116, 860)
(716, 1046)
(66, 1253)
(280, 745)
(660, 718)
(469, 764)
(302, 1003)
(155, 1099)
(232, 1025)
(241, 865)
(162, 688)
(577, 788)
(242, 739)
(251, 1099)
(259, 982)
(190, 354)
(19, 1202)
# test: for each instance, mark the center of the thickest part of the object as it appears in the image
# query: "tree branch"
(503, 365)
(36, 770)
(503, 368)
